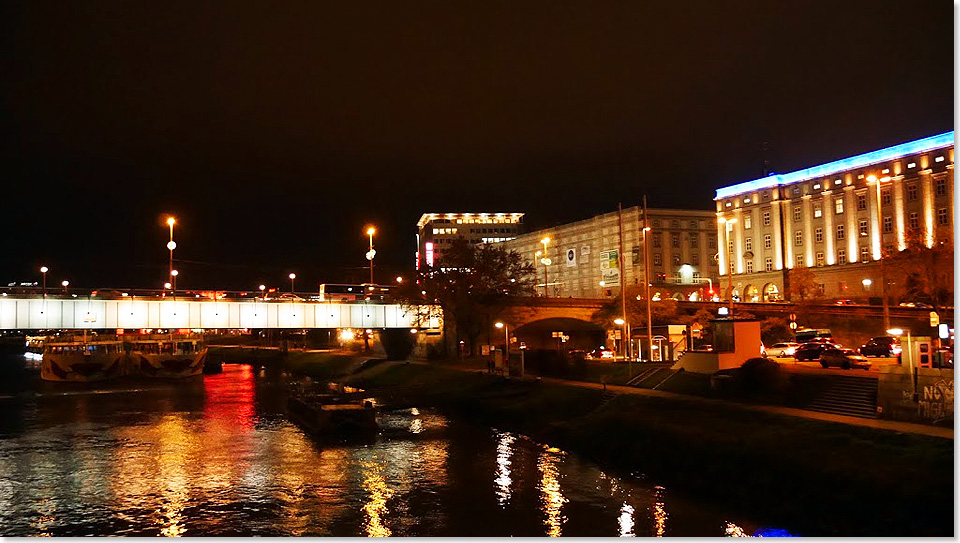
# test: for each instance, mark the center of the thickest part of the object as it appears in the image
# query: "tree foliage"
(920, 273)
(803, 286)
(662, 311)
(472, 287)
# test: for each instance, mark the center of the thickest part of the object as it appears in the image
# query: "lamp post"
(728, 225)
(262, 289)
(171, 245)
(292, 276)
(620, 323)
(506, 340)
(646, 281)
(173, 279)
(883, 278)
(65, 284)
(43, 271)
(371, 253)
(546, 262)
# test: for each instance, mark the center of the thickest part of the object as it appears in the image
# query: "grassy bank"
(817, 477)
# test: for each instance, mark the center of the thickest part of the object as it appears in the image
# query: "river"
(217, 457)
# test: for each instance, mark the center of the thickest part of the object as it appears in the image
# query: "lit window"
(766, 218)
(912, 165)
(942, 218)
(657, 259)
(938, 159)
(747, 221)
(749, 266)
(818, 235)
(799, 261)
(817, 212)
(887, 225)
(885, 170)
(748, 244)
(863, 228)
(768, 264)
(816, 186)
(767, 242)
(798, 238)
(864, 254)
(676, 260)
(820, 260)
(840, 232)
(837, 181)
(838, 206)
(841, 256)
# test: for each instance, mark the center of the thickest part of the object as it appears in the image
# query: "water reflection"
(626, 520)
(552, 499)
(659, 513)
(503, 480)
(376, 508)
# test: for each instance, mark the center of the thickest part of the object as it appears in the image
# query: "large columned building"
(582, 259)
(837, 219)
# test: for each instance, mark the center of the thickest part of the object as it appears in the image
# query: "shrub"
(759, 375)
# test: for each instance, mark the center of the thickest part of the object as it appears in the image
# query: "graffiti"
(936, 402)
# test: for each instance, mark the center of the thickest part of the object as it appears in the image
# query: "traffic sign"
(793, 316)
(934, 319)
(793, 326)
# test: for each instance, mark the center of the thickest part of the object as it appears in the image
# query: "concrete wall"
(932, 403)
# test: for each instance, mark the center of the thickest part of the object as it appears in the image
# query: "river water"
(217, 456)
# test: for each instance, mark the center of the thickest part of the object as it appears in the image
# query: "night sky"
(275, 131)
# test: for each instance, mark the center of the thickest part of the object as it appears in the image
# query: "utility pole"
(623, 287)
(646, 278)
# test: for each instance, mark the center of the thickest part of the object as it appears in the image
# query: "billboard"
(610, 267)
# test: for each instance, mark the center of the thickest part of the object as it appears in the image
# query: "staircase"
(848, 395)
(651, 377)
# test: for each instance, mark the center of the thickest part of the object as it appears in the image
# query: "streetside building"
(436, 231)
(580, 260)
(836, 219)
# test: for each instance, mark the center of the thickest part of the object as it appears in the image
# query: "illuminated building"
(583, 255)
(832, 219)
(436, 231)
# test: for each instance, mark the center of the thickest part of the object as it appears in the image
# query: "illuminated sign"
(429, 253)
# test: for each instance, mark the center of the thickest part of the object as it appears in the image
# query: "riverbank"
(820, 478)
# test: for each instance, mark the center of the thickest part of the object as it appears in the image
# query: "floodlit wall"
(37, 313)
(933, 403)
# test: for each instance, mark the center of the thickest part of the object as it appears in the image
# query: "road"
(792, 365)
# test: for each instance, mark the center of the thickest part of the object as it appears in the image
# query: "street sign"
(934, 319)
(793, 316)
(793, 326)
(943, 331)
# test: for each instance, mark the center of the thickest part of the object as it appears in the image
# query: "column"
(829, 233)
(722, 246)
(777, 235)
(853, 232)
(929, 208)
(807, 230)
(899, 216)
(788, 228)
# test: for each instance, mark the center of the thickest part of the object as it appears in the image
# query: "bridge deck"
(83, 313)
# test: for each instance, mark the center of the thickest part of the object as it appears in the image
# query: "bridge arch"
(538, 334)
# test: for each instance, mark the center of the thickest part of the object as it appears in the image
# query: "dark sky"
(275, 131)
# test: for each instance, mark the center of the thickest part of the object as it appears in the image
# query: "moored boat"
(82, 359)
(165, 356)
(333, 415)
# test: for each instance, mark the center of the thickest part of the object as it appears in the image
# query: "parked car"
(881, 346)
(782, 349)
(812, 350)
(920, 305)
(844, 358)
(601, 352)
(845, 302)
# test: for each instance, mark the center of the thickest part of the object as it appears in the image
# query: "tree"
(472, 287)
(803, 285)
(926, 272)
(662, 311)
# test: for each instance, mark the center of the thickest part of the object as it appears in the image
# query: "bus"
(330, 292)
(808, 334)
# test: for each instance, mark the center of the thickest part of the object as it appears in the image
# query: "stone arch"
(751, 293)
(538, 334)
(679, 296)
(771, 293)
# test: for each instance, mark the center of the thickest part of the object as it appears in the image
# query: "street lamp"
(292, 276)
(620, 322)
(166, 286)
(883, 278)
(65, 284)
(728, 225)
(546, 262)
(506, 340)
(173, 275)
(171, 245)
(44, 270)
(371, 253)
(262, 288)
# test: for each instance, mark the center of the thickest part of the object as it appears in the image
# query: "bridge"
(91, 313)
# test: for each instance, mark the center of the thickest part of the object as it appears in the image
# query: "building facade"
(436, 231)
(582, 259)
(836, 219)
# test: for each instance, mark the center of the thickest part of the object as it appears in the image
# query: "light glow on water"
(551, 499)
(503, 480)
(375, 510)
(626, 520)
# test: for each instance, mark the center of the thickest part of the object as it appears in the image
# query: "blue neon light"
(830, 168)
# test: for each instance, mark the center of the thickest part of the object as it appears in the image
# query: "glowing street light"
(171, 245)
(546, 262)
(262, 289)
(44, 270)
(292, 276)
(399, 279)
(166, 286)
(173, 279)
(728, 226)
(371, 253)
(65, 284)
